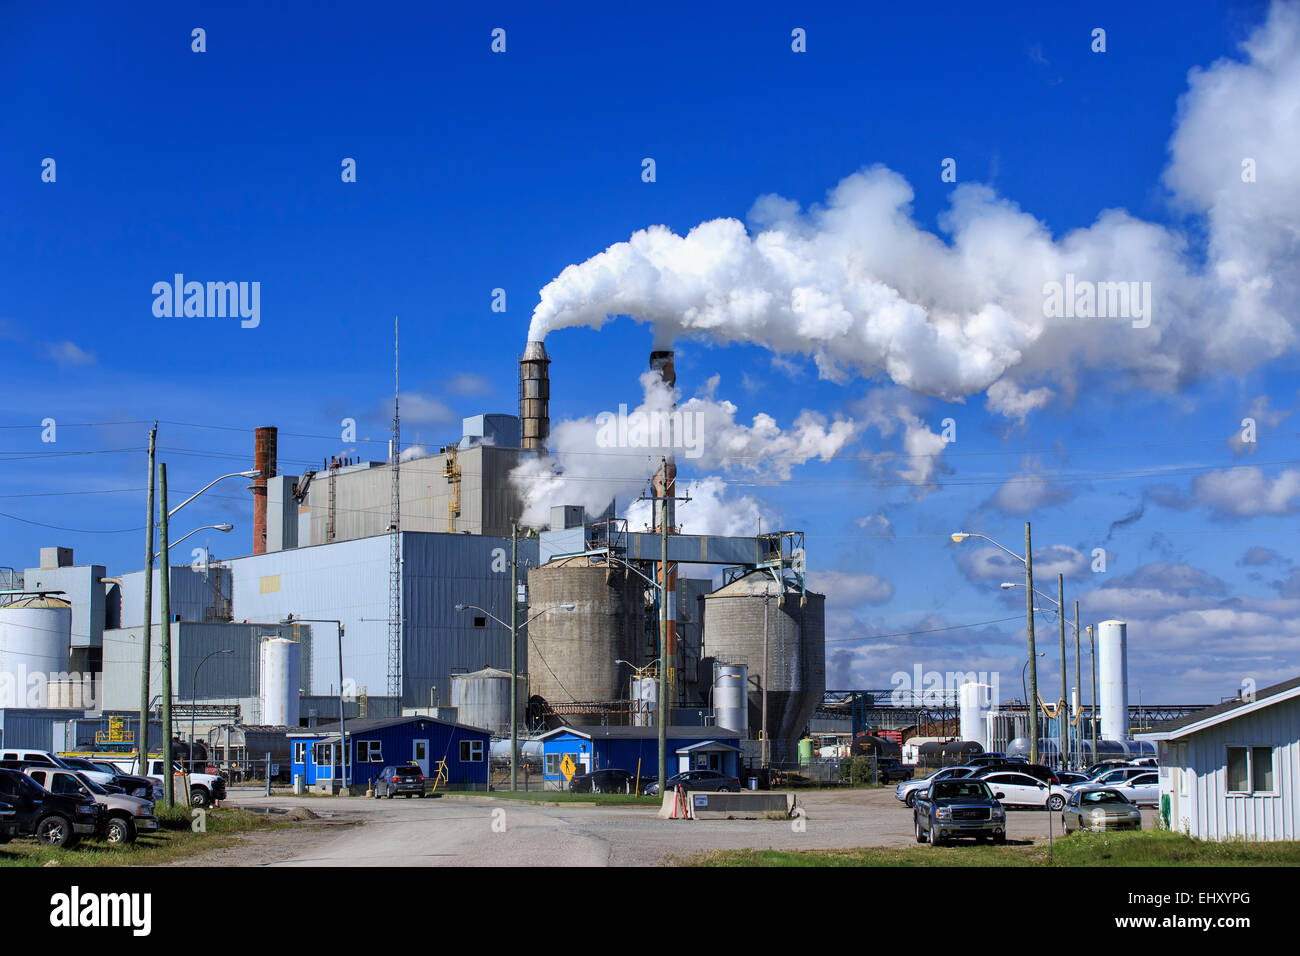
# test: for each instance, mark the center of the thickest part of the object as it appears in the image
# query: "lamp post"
(223, 528)
(1092, 715)
(1060, 612)
(514, 673)
(343, 737)
(1032, 705)
(1028, 561)
(194, 696)
(164, 574)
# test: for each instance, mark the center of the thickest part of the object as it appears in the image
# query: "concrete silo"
(755, 621)
(572, 655)
(482, 699)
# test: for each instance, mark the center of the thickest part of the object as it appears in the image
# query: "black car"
(7, 825)
(406, 779)
(892, 770)
(53, 819)
(129, 784)
(986, 760)
(959, 808)
(1036, 770)
(710, 780)
(604, 781)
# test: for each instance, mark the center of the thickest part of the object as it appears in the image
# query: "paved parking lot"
(460, 831)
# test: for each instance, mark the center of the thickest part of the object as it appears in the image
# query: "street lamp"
(343, 737)
(514, 673)
(164, 581)
(1028, 561)
(1059, 601)
(194, 696)
(223, 528)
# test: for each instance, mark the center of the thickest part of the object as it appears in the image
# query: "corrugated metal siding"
(30, 729)
(1215, 815)
(192, 593)
(84, 591)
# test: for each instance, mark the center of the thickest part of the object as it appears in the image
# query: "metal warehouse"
(457, 753)
(1231, 771)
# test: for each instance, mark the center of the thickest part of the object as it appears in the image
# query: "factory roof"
(1203, 719)
(637, 733)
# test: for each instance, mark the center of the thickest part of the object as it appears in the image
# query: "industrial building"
(454, 752)
(1230, 771)
(390, 585)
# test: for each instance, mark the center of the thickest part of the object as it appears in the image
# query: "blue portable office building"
(374, 743)
(636, 749)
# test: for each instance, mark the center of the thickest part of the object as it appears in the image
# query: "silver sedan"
(1100, 808)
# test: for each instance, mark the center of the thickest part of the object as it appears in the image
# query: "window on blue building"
(370, 751)
(471, 751)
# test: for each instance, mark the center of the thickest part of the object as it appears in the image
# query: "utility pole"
(395, 547)
(1063, 721)
(165, 653)
(1078, 689)
(663, 634)
(764, 729)
(514, 656)
(1033, 655)
(1092, 654)
(142, 741)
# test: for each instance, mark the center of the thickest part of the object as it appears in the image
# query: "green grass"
(1149, 848)
(173, 841)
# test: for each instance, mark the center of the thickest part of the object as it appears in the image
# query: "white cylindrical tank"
(974, 705)
(645, 701)
(1112, 679)
(731, 697)
(35, 639)
(280, 662)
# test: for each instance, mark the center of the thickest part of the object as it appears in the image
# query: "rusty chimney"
(665, 479)
(264, 442)
(534, 397)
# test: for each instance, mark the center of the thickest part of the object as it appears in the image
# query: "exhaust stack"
(665, 516)
(264, 448)
(534, 397)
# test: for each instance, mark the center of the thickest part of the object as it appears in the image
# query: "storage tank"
(572, 655)
(645, 701)
(731, 697)
(796, 652)
(482, 699)
(1112, 677)
(35, 638)
(974, 705)
(280, 661)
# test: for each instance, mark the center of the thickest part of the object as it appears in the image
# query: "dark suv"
(604, 781)
(892, 770)
(959, 808)
(407, 779)
(54, 819)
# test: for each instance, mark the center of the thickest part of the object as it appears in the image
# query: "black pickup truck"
(53, 819)
(959, 808)
(892, 770)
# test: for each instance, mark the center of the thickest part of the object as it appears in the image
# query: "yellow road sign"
(567, 767)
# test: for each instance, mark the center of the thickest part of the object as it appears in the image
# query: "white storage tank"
(35, 639)
(280, 663)
(731, 697)
(1112, 679)
(974, 706)
(645, 701)
(482, 699)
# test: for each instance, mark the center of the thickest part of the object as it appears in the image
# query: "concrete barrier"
(708, 805)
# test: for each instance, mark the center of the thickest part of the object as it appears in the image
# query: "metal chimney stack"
(264, 447)
(665, 516)
(534, 397)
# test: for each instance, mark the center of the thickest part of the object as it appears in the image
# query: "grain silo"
(781, 638)
(573, 654)
(482, 699)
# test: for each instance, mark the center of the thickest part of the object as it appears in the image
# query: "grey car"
(1100, 808)
(908, 789)
(697, 780)
(405, 779)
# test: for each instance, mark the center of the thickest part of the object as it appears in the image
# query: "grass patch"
(174, 840)
(1148, 848)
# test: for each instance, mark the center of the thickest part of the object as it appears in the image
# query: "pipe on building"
(264, 448)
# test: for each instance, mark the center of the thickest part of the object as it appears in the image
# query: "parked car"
(1068, 778)
(986, 760)
(603, 781)
(908, 789)
(1022, 790)
(124, 816)
(1143, 790)
(1114, 776)
(53, 819)
(964, 807)
(406, 779)
(891, 769)
(1099, 808)
(1102, 765)
(7, 825)
(205, 788)
(697, 780)
(1037, 770)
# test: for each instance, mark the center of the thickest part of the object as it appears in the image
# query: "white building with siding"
(1231, 771)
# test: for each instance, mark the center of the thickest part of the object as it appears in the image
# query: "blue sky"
(478, 171)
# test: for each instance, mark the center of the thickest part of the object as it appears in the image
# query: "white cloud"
(68, 354)
(468, 384)
(851, 589)
(1009, 400)
(1246, 492)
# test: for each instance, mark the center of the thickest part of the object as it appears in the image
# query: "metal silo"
(731, 697)
(482, 699)
(35, 638)
(280, 664)
(1112, 677)
(753, 619)
(974, 706)
(572, 655)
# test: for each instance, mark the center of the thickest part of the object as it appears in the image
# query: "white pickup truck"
(204, 788)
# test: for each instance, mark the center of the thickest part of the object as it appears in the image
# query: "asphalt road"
(483, 831)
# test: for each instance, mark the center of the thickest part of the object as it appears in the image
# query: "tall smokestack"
(264, 442)
(535, 397)
(665, 516)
